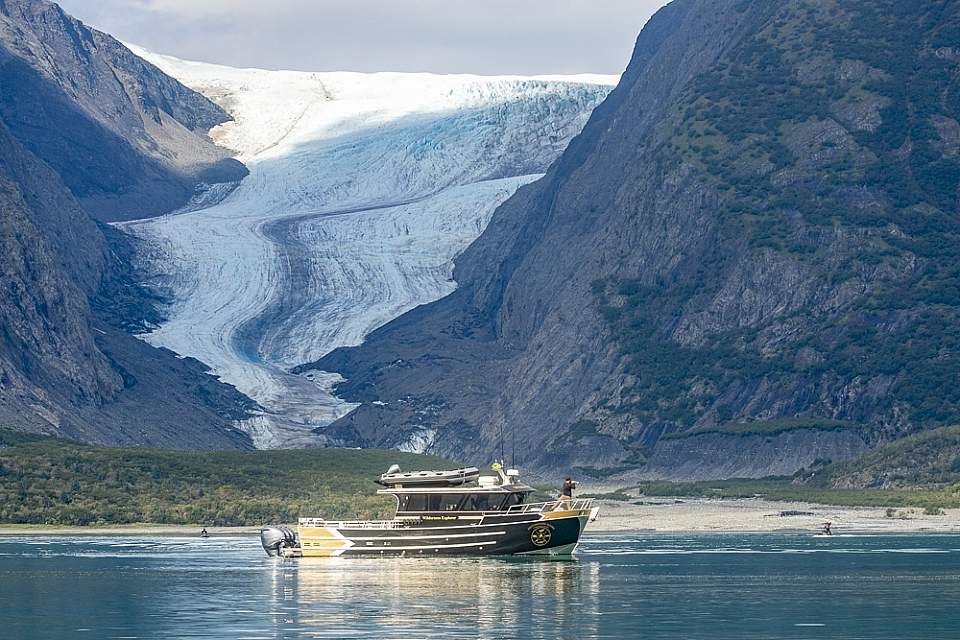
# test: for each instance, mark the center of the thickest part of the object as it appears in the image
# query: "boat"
(450, 512)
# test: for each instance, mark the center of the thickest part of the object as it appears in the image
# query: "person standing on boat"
(566, 493)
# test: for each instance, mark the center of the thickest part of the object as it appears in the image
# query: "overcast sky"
(443, 36)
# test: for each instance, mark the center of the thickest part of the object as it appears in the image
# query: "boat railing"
(580, 504)
(351, 524)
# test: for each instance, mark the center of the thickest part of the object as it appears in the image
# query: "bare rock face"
(82, 118)
(126, 139)
(760, 222)
(46, 342)
(712, 456)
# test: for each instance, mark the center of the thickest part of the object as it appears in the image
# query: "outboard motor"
(273, 538)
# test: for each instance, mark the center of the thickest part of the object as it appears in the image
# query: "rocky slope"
(74, 112)
(760, 222)
(127, 140)
(749, 454)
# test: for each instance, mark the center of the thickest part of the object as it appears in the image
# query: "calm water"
(709, 586)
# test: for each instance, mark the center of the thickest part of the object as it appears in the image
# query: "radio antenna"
(502, 459)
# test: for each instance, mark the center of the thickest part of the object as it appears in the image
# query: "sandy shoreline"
(124, 530)
(642, 515)
(700, 515)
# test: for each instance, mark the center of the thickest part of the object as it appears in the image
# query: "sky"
(442, 36)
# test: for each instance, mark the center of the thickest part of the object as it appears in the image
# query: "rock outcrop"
(760, 222)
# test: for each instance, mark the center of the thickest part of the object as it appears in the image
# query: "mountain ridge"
(72, 89)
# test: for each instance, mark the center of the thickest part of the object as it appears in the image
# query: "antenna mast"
(502, 459)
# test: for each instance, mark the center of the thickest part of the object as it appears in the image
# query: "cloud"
(444, 36)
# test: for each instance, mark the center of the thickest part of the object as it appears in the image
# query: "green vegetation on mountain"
(830, 135)
(930, 459)
(760, 224)
(766, 427)
(51, 481)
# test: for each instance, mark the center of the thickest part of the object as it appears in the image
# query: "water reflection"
(438, 597)
(723, 587)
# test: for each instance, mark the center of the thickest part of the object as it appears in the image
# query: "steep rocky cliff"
(64, 371)
(760, 222)
(46, 340)
(126, 139)
(64, 127)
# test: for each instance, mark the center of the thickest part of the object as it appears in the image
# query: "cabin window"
(459, 501)
(413, 502)
(481, 502)
(431, 501)
(444, 501)
(514, 499)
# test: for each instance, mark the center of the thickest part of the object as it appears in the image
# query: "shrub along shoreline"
(48, 481)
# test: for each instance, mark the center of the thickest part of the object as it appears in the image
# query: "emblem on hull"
(540, 535)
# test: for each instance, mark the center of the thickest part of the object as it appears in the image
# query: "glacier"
(363, 188)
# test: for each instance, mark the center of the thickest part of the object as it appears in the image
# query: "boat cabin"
(459, 492)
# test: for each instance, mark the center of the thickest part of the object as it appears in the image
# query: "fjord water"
(640, 586)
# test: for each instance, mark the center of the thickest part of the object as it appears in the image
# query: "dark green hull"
(527, 533)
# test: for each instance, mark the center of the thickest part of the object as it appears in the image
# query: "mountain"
(362, 189)
(126, 139)
(748, 260)
(87, 130)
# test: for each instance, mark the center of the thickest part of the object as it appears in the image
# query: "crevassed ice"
(363, 188)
